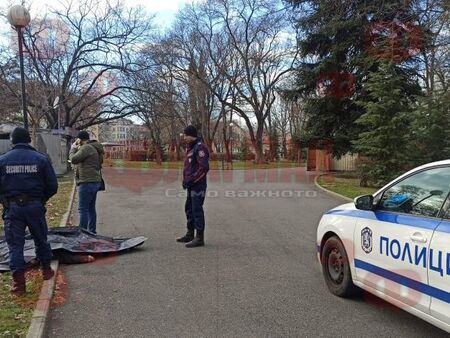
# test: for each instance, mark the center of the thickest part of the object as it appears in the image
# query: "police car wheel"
(336, 268)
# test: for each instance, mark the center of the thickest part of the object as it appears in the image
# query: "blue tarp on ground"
(72, 240)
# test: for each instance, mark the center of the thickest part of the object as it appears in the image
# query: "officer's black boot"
(197, 241)
(18, 285)
(187, 238)
(47, 272)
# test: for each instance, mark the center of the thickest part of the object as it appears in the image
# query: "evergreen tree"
(385, 121)
(429, 136)
(341, 43)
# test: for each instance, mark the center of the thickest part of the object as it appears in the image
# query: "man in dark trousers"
(196, 167)
(88, 158)
(27, 182)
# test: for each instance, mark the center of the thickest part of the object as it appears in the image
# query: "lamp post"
(19, 17)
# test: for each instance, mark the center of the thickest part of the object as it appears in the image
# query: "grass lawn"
(214, 165)
(345, 185)
(16, 312)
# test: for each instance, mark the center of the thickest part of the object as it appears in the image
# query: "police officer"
(27, 181)
(196, 168)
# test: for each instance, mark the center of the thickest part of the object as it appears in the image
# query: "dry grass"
(16, 312)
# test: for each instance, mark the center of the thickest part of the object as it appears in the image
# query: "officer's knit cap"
(20, 135)
(83, 135)
(190, 131)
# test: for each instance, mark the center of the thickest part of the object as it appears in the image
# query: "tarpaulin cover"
(72, 240)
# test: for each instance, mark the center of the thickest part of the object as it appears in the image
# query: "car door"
(392, 243)
(440, 280)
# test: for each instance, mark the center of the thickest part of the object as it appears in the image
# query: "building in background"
(121, 130)
(118, 131)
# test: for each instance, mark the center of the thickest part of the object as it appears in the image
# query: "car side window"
(421, 194)
(446, 209)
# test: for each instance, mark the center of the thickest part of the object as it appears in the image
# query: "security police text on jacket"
(196, 167)
(27, 182)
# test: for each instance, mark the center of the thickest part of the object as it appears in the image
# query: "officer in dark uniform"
(196, 168)
(27, 181)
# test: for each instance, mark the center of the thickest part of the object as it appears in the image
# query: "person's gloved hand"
(187, 185)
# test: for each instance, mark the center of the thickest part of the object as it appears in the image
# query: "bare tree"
(192, 61)
(281, 123)
(433, 42)
(81, 53)
(161, 98)
(10, 107)
(252, 47)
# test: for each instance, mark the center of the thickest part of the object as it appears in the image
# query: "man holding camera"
(87, 157)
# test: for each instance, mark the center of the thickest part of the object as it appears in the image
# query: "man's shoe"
(186, 238)
(47, 272)
(197, 241)
(18, 285)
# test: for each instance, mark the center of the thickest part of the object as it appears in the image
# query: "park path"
(256, 277)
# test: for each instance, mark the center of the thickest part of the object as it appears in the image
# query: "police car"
(394, 244)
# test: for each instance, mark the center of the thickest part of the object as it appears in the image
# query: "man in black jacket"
(196, 167)
(27, 182)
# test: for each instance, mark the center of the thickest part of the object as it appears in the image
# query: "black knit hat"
(83, 135)
(20, 135)
(190, 131)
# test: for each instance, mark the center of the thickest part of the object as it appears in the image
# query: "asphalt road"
(257, 276)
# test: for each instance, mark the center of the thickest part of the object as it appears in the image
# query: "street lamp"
(19, 17)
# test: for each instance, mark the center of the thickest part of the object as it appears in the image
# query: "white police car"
(394, 244)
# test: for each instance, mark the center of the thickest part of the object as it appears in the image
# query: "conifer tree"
(385, 124)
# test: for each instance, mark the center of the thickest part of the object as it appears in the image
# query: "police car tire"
(343, 286)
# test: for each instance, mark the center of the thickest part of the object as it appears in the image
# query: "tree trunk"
(158, 153)
(227, 150)
(179, 150)
(258, 144)
(208, 143)
(34, 134)
(173, 151)
(285, 149)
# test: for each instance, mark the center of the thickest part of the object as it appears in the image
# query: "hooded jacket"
(88, 161)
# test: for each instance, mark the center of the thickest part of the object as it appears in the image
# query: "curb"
(329, 192)
(40, 314)
(39, 319)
